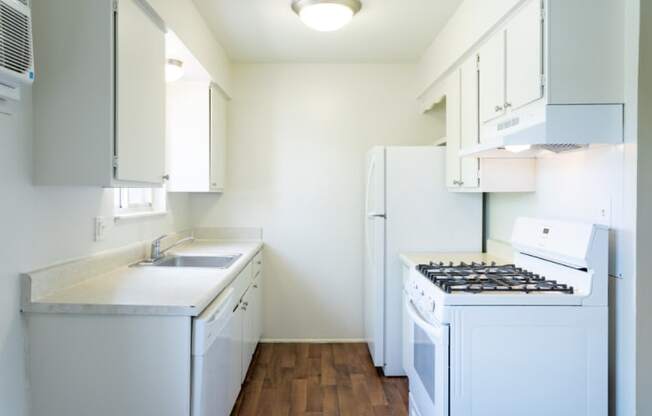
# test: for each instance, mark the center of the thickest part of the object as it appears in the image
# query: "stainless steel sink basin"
(217, 262)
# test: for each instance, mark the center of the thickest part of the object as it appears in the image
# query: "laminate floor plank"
(319, 380)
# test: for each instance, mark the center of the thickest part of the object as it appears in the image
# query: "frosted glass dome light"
(173, 70)
(326, 15)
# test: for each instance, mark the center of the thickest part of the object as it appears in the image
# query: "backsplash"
(583, 185)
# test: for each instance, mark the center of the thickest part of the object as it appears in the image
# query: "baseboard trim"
(312, 340)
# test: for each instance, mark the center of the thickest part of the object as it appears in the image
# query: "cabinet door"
(218, 140)
(235, 369)
(140, 94)
(258, 308)
(492, 78)
(188, 137)
(524, 57)
(469, 125)
(247, 331)
(453, 130)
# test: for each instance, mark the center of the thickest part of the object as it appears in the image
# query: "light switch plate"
(100, 228)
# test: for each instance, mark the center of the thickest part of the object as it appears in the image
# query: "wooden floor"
(319, 379)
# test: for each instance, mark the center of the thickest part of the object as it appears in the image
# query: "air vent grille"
(15, 40)
(561, 148)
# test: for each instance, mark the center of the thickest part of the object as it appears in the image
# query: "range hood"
(537, 130)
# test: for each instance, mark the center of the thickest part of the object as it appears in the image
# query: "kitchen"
(295, 112)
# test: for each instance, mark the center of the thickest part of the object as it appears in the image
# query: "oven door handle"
(434, 330)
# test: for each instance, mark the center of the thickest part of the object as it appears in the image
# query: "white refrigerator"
(408, 209)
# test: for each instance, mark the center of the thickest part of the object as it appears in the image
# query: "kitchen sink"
(217, 262)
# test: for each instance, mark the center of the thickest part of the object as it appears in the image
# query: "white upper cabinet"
(551, 75)
(99, 102)
(140, 96)
(492, 78)
(511, 65)
(196, 137)
(462, 126)
(453, 161)
(218, 102)
(469, 174)
(469, 129)
(524, 57)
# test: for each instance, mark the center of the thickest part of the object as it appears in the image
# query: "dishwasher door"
(212, 382)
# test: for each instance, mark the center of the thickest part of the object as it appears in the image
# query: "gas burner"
(483, 277)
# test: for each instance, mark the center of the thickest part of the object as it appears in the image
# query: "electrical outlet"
(100, 228)
(604, 214)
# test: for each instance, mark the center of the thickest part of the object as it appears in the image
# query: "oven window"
(424, 360)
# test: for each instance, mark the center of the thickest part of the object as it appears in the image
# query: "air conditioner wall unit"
(16, 47)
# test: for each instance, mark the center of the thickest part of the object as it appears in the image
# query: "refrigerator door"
(374, 267)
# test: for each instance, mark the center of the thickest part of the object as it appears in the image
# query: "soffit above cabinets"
(383, 31)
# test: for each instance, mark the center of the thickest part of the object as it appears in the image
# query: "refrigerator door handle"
(372, 215)
(370, 174)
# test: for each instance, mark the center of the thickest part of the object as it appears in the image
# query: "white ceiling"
(269, 31)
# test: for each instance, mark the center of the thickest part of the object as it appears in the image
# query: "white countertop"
(152, 290)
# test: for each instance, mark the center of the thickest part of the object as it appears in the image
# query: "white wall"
(298, 135)
(44, 225)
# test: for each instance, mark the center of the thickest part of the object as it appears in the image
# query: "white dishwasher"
(215, 350)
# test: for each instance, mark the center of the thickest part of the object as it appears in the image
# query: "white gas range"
(528, 338)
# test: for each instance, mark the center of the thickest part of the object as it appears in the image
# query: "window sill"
(137, 215)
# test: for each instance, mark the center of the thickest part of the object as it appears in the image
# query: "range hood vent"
(562, 148)
(550, 128)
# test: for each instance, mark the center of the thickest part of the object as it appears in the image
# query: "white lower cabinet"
(252, 307)
(133, 365)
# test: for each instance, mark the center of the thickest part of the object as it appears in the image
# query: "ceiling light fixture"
(173, 70)
(326, 15)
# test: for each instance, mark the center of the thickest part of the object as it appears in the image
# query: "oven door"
(426, 358)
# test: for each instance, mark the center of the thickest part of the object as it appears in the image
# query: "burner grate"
(483, 277)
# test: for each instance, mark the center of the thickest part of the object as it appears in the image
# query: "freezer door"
(374, 267)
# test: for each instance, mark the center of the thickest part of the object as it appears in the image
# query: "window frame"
(146, 202)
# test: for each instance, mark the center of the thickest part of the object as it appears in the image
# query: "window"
(130, 202)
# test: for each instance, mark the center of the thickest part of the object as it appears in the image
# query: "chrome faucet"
(156, 252)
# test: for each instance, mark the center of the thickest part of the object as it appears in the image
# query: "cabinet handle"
(166, 177)
(498, 109)
(460, 183)
(508, 105)
(245, 304)
(255, 286)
